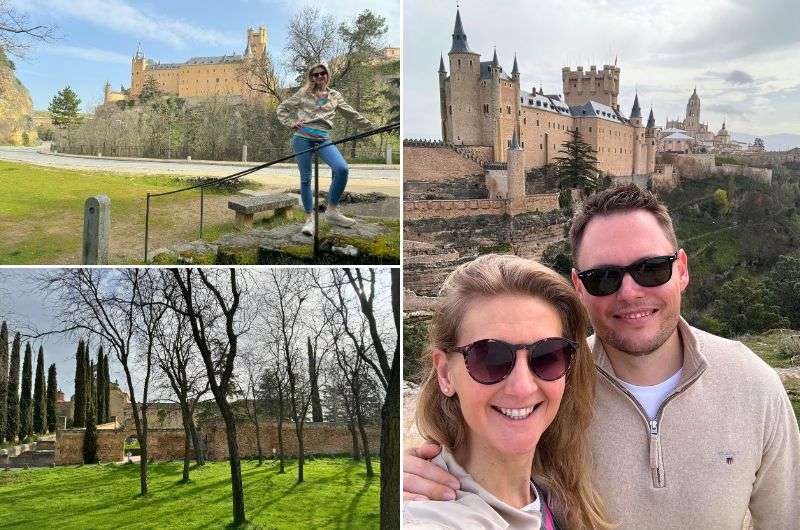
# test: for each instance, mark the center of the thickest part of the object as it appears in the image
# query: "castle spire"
(459, 37)
(515, 69)
(441, 65)
(651, 121)
(495, 62)
(636, 111)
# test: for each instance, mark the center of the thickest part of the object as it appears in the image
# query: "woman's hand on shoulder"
(423, 480)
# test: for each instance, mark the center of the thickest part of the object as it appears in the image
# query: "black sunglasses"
(489, 361)
(647, 272)
(318, 74)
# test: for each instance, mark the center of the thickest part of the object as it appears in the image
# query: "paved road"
(362, 178)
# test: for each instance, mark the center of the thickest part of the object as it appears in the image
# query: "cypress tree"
(106, 391)
(39, 401)
(92, 392)
(25, 409)
(3, 379)
(52, 395)
(79, 403)
(12, 402)
(98, 400)
(90, 436)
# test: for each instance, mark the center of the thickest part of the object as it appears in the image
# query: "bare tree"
(248, 387)
(118, 307)
(313, 38)
(212, 302)
(186, 378)
(17, 31)
(364, 286)
(260, 76)
(273, 391)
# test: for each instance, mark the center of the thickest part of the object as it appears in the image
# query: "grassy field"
(41, 213)
(766, 345)
(335, 494)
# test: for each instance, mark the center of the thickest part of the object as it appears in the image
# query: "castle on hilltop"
(483, 107)
(198, 76)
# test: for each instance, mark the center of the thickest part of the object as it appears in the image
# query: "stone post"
(388, 154)
(244, 153)
(96, 228)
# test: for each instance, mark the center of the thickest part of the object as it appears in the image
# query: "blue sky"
(100, 36)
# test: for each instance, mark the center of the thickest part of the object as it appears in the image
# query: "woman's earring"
(446, 391)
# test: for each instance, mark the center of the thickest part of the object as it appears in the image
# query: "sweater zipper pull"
(654, 455)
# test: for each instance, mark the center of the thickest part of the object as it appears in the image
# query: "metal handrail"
(239, 174)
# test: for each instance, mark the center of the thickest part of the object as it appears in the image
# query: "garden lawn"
(41, 213)
(335, 494)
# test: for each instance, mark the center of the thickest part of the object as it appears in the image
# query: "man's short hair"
(619, 199)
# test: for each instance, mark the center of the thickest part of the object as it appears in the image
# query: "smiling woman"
(508, 396)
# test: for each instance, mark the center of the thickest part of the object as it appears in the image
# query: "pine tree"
(79, 402)
(577, 168)
(150, 89)
(12, 402)
(3, 379)
(52, 395)
(39, 398)
(90, 437)
(64, 108)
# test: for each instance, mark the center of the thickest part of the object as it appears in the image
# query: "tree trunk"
(356, 449)
(316, 404)
(237, 491)
(301, 458)
(281, 466)
(364, 439)
(258, 436)
(187, 442)
(390, 428)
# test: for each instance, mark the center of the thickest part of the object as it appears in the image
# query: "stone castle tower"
(484, 107)
(581, 87)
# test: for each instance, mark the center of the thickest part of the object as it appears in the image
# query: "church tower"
(692, 122)
(463, 105)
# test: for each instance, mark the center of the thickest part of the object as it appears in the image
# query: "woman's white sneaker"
(336, 218)
(308, 228)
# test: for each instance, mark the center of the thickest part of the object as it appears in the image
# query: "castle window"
(508, 109)
(540, 146)
(590, 129)
(523, 145)
(459, 63)
(537, 123)
(451, 109)
(486, 109)
(524, 121)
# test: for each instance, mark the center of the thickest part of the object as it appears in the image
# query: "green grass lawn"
(41, 213)
(335, 494)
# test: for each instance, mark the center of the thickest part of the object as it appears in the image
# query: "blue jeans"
(331, 156)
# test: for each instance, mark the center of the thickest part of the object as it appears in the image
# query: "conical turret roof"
(459, 37)
(441, 65)
(651, 121)
(515, 69)
(636, 111)
(495, 62)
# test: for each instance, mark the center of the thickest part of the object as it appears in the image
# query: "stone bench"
(246, 207)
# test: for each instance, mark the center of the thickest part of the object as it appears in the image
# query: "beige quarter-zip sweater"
(724, 441)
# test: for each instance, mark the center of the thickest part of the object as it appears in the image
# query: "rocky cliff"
(16, 107)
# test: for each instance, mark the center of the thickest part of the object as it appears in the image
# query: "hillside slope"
(16, 123)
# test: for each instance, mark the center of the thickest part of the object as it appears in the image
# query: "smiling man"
(690, 430)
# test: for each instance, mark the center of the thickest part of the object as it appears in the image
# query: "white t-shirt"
(536, 505)
(651, 397)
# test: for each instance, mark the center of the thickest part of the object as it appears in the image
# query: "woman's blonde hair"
(562, 462)
(308, 86)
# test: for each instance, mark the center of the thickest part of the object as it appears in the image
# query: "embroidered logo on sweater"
(727, 456)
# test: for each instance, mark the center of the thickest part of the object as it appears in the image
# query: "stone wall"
(436, 163)
(318, 438)
(414, 210)
(469, 187)
(168, 444)
(69, 446)
(758, 174)
(664, 178)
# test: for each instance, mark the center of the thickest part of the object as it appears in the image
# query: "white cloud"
(649, 38)
(89, 54)
(121, 16)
